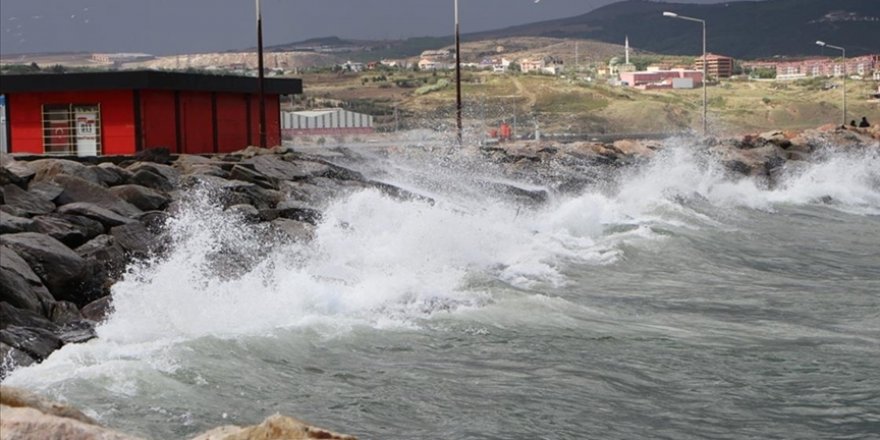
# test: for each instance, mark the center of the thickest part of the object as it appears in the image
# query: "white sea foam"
(381, 262)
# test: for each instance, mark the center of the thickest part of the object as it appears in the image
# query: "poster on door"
(86, 121)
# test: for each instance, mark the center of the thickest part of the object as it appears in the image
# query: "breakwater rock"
(69, 229)
(26, 416)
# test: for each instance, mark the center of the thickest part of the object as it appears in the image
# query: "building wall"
(117, 118)
(232, 126)
(159, 128)
(196, 123)
(273, 116)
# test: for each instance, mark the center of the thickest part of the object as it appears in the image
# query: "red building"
(106, 113)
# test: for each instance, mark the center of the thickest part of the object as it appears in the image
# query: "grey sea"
(665, 300)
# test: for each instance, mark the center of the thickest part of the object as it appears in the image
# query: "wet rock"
(275, 427)
(37, 343)
(30, 424)
(106, 217)
(738, 166)
(59, 229)
(64, 312)
(111, 174)
(260, 198)
(98, 310)
(106, 260)
(246, 212)
(295, 230)
(48, 169)
(9, 176)
(13, 211)
(19, 398)
(30, 203)
(11, 358)
(168, 176)
(145, 199)
(20, 286)
(297, 210)
(315, 193)
(248, 175)
(13, 316)
(77, 190)
(153, 220)
(10, 224)
(59, 268)
(277, 168)
(160, 155)
(134, 238)
(78, 331)
(150, 179)
(90, 228)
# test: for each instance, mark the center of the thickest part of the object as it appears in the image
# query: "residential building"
(123, 112)
(717, 66)
(548, 64)
(662, 79)
(820, 66)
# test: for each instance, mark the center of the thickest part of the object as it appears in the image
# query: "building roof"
(144, 80)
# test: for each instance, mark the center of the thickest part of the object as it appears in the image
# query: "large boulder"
(77, 190)
(20, 286)
(105, 261)
(37, 343)
(46, 189)
(59, 229)
(154, 175)
(15, 172)
(295, 230)
(249, 175)
(145, 199)
(276, 167)
(134, 238)
(106, 217)
(98, 310)
(30, 203)
(14, 317)
(60, 269)
(48, 169)
(31, 418)
(11, 358)
(275, 427)
(10, 224)
(110, 174)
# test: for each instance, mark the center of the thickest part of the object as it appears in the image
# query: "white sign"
(86, 121)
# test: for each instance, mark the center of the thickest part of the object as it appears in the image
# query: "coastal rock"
(47, 190)
(15, 172)
(150, 179)
(111, 174)
(133, 237)
(20, 286)
(276, 167)
(145, 199)
(10, 224)
(246, 212)
(30, 203)
(22, 423)
(37, 343)
(275, 427)
(48, 169)
(296, 210)
(64, 312)
(105, 260)
(295, 230)
(59, 268)
(106, 217)
(59, 229)
(77, 190)
(77, 331)
(248, 175)
(19, 398)
(15, 317)
(10, 358)
(98, 310)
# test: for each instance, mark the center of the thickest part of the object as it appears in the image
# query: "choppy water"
(673, 302)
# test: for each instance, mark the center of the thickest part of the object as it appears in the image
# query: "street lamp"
(261, 79)
(824, 44)
(457, 75)
(705, 64)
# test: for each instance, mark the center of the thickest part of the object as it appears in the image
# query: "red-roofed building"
(718, 66)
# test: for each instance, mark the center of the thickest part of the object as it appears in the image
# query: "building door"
(72, 128)
(86, 123)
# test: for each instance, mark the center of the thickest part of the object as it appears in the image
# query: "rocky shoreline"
(70, 228)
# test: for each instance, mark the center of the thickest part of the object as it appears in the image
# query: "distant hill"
(746, 30)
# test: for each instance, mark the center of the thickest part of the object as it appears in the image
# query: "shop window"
(72, 129)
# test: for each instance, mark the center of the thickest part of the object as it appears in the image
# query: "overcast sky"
(181, 26)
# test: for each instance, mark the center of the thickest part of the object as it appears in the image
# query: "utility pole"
(457, 76)
(705, 67)
(261, 79)
(824, 44)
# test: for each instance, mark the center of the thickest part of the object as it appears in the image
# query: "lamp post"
(705, 65)
(824, 44)
(457, 76)
(261, 79)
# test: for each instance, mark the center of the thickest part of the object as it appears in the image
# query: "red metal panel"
(231, 122)
(196, 122)
(25, 123)
(273, 120)
(158, 124)
(117, 118)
